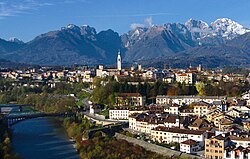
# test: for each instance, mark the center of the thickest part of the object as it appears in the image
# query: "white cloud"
(136, 25)
(149, 21)
(15, 7)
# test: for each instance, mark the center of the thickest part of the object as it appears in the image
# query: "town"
(195, 110)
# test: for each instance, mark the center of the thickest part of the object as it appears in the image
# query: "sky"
(26, 19)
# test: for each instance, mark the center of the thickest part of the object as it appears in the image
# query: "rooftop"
(179, 131)
(189, 142)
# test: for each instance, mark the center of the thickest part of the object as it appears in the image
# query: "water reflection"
(42, 138)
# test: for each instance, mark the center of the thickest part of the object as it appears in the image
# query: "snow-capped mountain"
(15, 40)
(227, 28)
(198, 28)
(133, 36)
(221, 28)
(146, 43)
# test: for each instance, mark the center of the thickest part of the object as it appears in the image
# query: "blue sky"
(26, 19)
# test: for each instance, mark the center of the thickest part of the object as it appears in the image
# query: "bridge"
(100, 121)
(7, 108)
(14, 118)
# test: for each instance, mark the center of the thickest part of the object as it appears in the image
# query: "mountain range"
(221, 43)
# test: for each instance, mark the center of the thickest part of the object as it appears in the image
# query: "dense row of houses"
(193, 122)
(86, 74)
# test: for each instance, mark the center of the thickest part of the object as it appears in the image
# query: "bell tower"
(119, 61)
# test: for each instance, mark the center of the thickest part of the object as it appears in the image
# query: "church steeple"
(119, 61)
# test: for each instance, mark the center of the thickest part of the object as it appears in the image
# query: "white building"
(237, 153)
(241, 140)
(170, 135)
(163, 99)
(172, 109)
(243, 109)
(189, 146)
(121, 114)
(143, 123)
(187, 78)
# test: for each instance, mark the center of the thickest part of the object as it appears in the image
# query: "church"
(104, 72)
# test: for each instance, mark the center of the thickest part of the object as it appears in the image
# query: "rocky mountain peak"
(16, 40)
(227, 28)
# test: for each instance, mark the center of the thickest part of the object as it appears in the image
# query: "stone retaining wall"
(155, 148)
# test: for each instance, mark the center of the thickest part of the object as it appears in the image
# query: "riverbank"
(6, 150)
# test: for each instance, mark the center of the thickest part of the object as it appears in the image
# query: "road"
(85, 101)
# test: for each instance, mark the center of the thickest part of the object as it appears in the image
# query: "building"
(187, 78)
(234, 113)
(180, 100)
(198, 124)
(215, 146)
(122, 114)
(178, 135)
(240, 140)
(220, 105)
(187, 112)
(175, 121)
(144, 123)
(246, 125)
(189, 146)
(104, 72)
(119, 114)
(239, 147)
(233, 152)
(172, 109)
(130, 99)
(200, 108)
(242, 108)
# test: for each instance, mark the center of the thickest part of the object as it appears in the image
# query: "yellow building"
(200, 108)
(215, 147)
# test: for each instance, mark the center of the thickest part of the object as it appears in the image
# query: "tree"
(173, 91)
(200, 87)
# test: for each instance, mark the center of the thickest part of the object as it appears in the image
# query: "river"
(42, 138)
